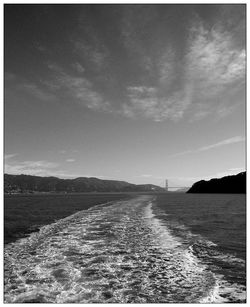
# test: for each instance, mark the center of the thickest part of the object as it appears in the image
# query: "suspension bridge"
(173, 187)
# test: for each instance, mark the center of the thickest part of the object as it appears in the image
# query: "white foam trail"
(225, 292)
(164, 237)
(221, 291)
(117, 253)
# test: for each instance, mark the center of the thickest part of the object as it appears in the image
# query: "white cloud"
(232, 140)
(95, 53)
(237, 169)
(167, 67)
(36, 91)
(148, 102)
(78, 67)
(9, 156)
(200, 83)
(193, 83)
(88, 42)
(70, 160)
(229, 141)
(41, 90)
(79, 88)
(40, 47)
(213, 60)
(203, 82)
(146, 175)
(40, 168)
(54, 67)
(132, 34)
(214, 68)
(8, 76)
(70, 151)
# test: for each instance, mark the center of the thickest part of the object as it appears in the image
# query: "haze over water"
(124, 252)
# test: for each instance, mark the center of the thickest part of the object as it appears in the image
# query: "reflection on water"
(121, 253)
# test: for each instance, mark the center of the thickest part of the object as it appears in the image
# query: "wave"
(218, 262)
(120, 252)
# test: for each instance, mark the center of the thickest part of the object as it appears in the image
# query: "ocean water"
(150, 249)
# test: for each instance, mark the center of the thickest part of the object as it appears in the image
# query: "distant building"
(166, 185)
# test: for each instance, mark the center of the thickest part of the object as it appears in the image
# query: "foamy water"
(118, 253)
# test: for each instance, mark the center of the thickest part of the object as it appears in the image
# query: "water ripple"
(119, 253)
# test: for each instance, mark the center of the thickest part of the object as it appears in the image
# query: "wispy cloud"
(135, 22)
(96, 55)
(8, 76)
(148, 102)
(9, 156)
(167, 66)
(212, 58)
(69, 151)
(232, 140)
(229, 141)
(146, 175)
(78, 67)
(36, 91)
(188, 181)
(78, 88)
(214, 66)
(88, 43)
(40, 47)
(41, 167)
(200, 82)
(237, 169)
(190, 77)
(70, 160)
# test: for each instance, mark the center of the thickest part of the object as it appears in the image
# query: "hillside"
(228, 184)
(27, 183)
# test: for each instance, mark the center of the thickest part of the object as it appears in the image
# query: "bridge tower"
(166, 185)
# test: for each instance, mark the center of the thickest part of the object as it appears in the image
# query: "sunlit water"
(116, 253)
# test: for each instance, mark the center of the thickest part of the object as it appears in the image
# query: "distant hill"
(27, 183)
(228, 184)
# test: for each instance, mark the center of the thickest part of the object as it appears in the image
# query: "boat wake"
(116, 253)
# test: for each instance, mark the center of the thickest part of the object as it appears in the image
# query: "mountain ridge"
(29, 183)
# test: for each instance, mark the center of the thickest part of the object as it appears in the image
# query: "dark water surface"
(172, 248)
(26, 213)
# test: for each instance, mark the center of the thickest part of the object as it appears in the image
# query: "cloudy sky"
(128, 92)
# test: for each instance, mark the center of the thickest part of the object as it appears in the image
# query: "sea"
(161, 248)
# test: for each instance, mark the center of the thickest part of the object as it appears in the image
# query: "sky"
(140, 93)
